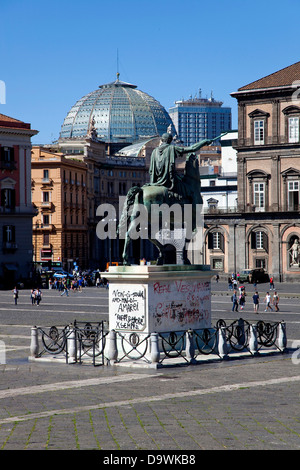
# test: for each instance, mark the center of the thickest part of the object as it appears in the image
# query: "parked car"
(61, 274)
(253, 275)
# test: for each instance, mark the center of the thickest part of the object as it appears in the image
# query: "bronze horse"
(186, 192)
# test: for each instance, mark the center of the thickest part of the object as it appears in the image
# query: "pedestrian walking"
(255, 302)
(268, 302)
(16, 295)
(276, 301)
(272, 287)
(38, 297)
(65, 289)
(242, 299)
(234, 300)
(32, 296)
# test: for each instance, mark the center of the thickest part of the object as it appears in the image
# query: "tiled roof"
(283, 77)
(7, 121)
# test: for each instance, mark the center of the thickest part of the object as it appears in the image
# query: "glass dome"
(120, 114)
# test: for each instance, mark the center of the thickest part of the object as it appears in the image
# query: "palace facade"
(16, 210)
(263, 230)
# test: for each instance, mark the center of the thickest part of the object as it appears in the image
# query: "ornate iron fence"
(76, 341)
(90, 341)
(220, 341)
(71, 342)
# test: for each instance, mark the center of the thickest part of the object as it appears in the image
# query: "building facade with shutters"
(59, 193)
(69, 182)
(265, 229)
(16, 209)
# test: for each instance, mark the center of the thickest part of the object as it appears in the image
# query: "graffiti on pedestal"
(127, 303)
(182, 303)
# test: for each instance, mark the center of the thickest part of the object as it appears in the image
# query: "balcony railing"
(47, 181)
(219, 210)
(8, 165)
(46, 205)
(9, 246)
(47, 227)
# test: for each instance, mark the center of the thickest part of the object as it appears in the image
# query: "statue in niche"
(294, 252)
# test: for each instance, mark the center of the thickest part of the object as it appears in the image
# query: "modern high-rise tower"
(199, 118)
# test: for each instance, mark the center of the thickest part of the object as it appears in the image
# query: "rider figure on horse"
(162, 165)
(166, 187)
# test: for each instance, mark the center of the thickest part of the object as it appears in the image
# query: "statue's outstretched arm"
(198, 145)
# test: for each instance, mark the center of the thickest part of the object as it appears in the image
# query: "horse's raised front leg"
(159, 246)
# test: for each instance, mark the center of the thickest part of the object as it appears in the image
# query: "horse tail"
(126, 212)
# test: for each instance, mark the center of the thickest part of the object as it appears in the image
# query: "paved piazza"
(244, 404)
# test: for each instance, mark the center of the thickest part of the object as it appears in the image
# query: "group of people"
(66, 284)
(102, 282)
(274, 301)
(36, 296)
(63, 285)
(239, 300)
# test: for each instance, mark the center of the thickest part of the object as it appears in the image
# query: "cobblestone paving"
(249, 404)
(178, 410)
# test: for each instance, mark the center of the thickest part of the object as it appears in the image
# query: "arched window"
(291, 189)
(216, 241)
(259, 240)
(292, 123)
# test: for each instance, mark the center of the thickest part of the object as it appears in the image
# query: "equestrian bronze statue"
(166, 187)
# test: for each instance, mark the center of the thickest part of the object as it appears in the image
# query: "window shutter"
(13, 198)
(265, 242)
(222, 242)
(253, 240)
(210, 241)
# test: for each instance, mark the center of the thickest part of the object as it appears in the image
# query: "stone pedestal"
(157, 299)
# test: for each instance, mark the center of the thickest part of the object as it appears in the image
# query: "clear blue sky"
(53, 53)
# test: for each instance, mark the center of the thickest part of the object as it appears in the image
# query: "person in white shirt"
(268, 300)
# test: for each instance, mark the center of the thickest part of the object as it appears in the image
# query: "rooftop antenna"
(118, 74)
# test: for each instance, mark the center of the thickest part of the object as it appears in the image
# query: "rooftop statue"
(166, 187)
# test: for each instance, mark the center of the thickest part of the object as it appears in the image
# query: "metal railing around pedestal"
(221, 341)
(77, 341)
(72, 342)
